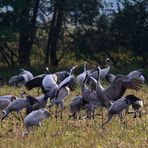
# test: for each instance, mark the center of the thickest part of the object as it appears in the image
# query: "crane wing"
(61, 75)
(131, 83)
(35, 82)
(48, 83)
(137, 74)
(103, 73)
(69, 81)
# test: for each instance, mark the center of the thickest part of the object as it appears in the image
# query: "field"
(67, 133)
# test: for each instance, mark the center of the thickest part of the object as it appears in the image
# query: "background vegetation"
(58, 33)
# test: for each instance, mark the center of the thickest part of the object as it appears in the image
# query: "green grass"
(67, 133)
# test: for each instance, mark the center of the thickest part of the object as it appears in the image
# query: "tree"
(76, 14)
(130, 27)
(22, 21)
(55, 30)
(8, 33)
(27, 29)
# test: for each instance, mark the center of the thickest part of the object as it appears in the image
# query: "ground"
(67, 133)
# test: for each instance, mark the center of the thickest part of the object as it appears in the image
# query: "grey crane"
(88, 95)
(28, 73)
(103, 72)
(59, 101)
(82, 76)
(34, 119)
(86, 91)
(18, 105)
(21, 78)
(8, 97)
(59, 92)
(137, 105)
(6, 100)
(88, 100)
(37, 81)
(118, 106)
(50, 88)
(93, 72)
(75, 106)
(116, 89)
(92, 95)
(137, 74)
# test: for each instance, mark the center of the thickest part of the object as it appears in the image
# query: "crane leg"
(61, 110)
(109, 118)
(43, 131)
(26, 132)
(16, 116)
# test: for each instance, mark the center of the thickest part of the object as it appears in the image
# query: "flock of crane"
(55, 87)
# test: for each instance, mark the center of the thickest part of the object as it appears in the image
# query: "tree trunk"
(54, 34)
(27, 34)
(50, 37)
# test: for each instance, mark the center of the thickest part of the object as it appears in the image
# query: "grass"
(67, 133)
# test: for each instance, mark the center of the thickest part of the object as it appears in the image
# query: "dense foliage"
(45, 31)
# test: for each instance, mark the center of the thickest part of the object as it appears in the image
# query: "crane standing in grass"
(62, 90)
(20, 79)
(18, 105)
(121, 104)
(56, 92)
(5, 101)
(34, 119)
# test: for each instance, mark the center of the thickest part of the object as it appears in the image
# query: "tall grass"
(67, 133)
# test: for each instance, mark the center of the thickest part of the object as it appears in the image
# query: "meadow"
(83, 133)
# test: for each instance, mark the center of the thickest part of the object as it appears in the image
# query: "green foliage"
(8, 31)
(130, 26)
(82, 11)
(90, 30)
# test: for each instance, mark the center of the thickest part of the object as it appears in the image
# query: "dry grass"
(67, 133)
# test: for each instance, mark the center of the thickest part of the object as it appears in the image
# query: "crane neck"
(72, 69)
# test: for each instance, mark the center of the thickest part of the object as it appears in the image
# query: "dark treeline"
(46, 30)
